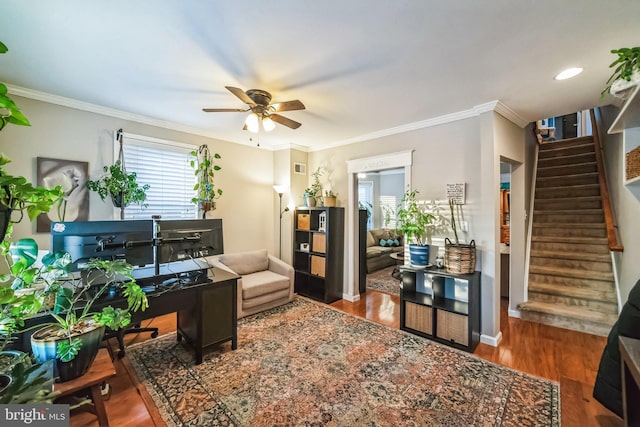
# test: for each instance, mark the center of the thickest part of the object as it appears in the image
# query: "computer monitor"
(181, 240)
(127, 240)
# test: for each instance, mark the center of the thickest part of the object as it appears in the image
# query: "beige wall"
(66, 133)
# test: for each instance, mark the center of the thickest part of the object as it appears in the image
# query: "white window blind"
(164, 165)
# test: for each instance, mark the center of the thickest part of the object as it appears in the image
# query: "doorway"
(399, 160)
(505, 228)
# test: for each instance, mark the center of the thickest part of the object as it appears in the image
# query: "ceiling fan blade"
(285, 121)
(288, 106)
(223, 110)
(241, 95)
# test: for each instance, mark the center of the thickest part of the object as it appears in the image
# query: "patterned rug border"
(132, 365)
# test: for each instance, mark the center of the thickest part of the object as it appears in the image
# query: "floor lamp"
(280, 189)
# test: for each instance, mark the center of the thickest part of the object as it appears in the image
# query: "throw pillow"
(383, 242)
(396, 242)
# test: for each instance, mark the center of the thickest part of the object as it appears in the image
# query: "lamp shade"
(280, 189)
(253, 123)
(268, 124)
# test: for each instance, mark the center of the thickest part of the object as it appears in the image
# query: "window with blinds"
(388, 204)
(164, 165)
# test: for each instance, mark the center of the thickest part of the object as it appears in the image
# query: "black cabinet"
(213, 317)
(441, 306)
(318, 253)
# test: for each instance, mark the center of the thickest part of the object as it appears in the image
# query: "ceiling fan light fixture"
(268, 124)
(253, 123)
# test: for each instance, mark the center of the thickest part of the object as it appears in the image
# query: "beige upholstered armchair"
(265, 281)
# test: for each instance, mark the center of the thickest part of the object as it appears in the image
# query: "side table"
(399, 259)
(101, 369)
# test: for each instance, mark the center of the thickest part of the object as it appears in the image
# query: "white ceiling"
(361, 67)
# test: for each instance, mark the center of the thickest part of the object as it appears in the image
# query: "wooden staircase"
(571, 282)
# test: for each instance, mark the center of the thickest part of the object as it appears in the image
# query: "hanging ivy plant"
(120, 186)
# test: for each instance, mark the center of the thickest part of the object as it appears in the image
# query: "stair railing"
(612, 237)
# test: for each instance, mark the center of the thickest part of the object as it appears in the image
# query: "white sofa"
(265, 281)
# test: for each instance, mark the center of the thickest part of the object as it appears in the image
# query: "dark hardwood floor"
(568, 357)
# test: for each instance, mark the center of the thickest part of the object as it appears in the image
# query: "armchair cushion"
(263, 282)
(246, 262)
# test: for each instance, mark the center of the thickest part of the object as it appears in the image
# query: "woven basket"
(459, 258)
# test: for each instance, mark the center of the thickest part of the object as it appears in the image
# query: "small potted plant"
(120, 186)
(412, 220)
(626, 75)
(205, 168)
(330, 198)
(313, 194)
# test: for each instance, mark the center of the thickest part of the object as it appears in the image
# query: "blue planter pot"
(44, 348)
(419, 255)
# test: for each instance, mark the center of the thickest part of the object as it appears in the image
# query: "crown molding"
(496, 106)
(112, 112)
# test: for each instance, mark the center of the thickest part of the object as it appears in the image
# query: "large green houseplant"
(9, 111)
(413, 221)
(205, 168)
(626, 73)
(121, 187)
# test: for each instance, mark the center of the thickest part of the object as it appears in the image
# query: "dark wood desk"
(207, 309)
(100, 370)
(630, 358)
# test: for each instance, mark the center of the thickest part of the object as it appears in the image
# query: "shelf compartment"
(301, 261)
(452, 305)
(452, 327)
(419, 317)
(317, 265)
(319, 244)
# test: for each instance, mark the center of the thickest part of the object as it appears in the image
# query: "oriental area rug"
(381, 280)
(309, 364)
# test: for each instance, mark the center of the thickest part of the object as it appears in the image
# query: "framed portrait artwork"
(72, 176)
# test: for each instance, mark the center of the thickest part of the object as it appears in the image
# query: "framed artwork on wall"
(299, 168)
(72, 176)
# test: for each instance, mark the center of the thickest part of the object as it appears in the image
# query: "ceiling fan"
(262, 111)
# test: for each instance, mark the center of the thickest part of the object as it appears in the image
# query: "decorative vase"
(44, 347)
(309, 201)
(419, 255)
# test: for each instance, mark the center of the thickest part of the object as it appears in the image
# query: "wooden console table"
(630, 358)
(100, 370)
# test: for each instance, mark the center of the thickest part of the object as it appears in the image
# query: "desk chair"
(131, 329)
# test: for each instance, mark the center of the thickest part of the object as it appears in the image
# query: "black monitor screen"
(130, 240)
(181, 240)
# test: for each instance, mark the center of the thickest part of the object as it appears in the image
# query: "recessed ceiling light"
(568, 73)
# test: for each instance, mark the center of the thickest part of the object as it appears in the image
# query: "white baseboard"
(351, 298)
(514, 313)
(492, 341)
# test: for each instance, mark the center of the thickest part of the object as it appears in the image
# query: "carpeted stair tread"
(582, 240)
(567, 142)
(571, 272)
(596, 225)
(546, 193)
(564, 170)
(571, 159)
(574, 292)
(567, 311)
(583, 256)
(570, 212)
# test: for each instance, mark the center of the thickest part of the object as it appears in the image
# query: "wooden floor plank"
(569, 357)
